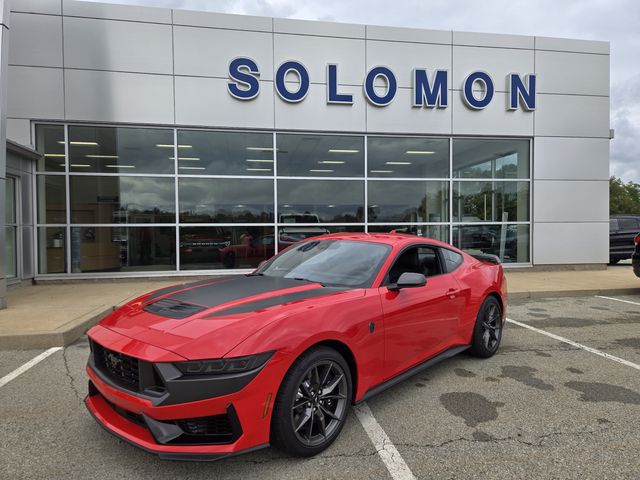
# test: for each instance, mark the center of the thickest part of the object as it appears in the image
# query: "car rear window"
(452, 259)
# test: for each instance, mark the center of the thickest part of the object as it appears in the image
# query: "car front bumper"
(205, 429)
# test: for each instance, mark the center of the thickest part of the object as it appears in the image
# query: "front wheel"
(487, 332)
(312, 404)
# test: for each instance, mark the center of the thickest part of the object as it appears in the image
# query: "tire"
(296, 427)
(487, 332)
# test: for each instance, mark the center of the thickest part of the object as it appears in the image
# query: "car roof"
(393, 239)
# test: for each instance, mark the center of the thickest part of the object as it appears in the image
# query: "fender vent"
(173, 308)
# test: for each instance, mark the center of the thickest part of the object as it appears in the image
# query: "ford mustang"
(222, 366)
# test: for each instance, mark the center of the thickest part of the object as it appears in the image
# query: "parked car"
(622, 230)
(635, 258)
(208, 370)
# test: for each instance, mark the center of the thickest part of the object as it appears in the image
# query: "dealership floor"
(540, 408)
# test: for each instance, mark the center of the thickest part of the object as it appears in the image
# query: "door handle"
(452, 292)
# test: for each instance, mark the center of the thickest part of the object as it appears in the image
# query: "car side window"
(613, 224)
(424, 260)
(452, 260)
(628, 223)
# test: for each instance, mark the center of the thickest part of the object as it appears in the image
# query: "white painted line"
(387, 450)
(618, 300)
(34, 361)
(577, 345)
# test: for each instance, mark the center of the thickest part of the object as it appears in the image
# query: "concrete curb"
(70, 333)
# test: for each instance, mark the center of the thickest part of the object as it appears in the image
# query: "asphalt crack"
(67, 372)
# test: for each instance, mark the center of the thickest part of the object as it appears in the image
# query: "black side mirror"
(408, 280)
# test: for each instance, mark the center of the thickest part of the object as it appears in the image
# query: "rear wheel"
(312, 404)
(487, 332)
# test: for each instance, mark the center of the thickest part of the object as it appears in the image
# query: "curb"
(56, 338)
(68, 335)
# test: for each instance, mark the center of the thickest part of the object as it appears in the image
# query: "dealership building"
(144, 141)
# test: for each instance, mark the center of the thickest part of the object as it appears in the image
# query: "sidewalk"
(48, 315)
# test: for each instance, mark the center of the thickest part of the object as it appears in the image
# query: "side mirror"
(409, 280)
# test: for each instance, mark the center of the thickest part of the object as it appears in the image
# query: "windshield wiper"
(307, 280)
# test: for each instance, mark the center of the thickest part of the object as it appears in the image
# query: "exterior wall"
(138, 65)
(4, 50)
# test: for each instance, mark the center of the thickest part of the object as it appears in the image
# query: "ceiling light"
(101, 156)
(320, 170)
(90, 144)
(398, 163)
(419, 152)
(258, 160)
(79, 165)
(330, 206)
(381, 171)
(260, 149)
(332, 161)
(286, 205)
(120, 166)
(54, 155)
(167, 145)
(61, 142)
(258, 169)
(192, 168)
(337, 150)
(240, 206)
(185, 158)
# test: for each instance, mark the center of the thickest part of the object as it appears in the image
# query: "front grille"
(122, 369)
(214, 425)
(132, 417)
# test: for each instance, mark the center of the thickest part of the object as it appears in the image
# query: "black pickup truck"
(622, 231)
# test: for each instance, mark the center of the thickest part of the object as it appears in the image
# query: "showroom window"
(137, 199)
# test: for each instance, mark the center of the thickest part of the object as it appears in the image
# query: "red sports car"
(222, 366)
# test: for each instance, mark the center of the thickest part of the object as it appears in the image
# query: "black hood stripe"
(273, 301)
(214, 294)
(183, 286)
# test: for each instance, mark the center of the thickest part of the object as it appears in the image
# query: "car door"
(419, 322)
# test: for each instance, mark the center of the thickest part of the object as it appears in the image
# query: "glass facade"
(129, 199)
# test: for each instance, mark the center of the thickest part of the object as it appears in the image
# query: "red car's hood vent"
(170, 308)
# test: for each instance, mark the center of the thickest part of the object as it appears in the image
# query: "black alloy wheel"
(320, 402)
(312, 404)
(487, 333)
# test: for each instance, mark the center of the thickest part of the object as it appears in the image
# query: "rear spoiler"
(486, 257)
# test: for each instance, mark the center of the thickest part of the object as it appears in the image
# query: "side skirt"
(413, 371)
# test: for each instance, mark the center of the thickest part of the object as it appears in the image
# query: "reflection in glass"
(50, 143)
(122, 249)
(317, 201)
(408, 201)
(225, 200)
(291, 234)
(208, 248)
(437, 232)
(52, 199)
(320, 155)
(491, 201)
(121, 150)
(408, 157)
(10, 252)
(51, 250)
(509, 242)
(225, 153)
(122, 199)
(487, 158)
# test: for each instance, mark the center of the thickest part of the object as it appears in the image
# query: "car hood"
(207, 319)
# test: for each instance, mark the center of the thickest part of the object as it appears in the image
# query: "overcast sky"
(617, 21)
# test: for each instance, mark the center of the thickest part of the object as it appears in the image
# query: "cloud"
(614, 20)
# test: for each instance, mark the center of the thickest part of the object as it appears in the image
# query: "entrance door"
(11, 228)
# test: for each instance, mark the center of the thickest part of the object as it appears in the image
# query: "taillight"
(636, 239)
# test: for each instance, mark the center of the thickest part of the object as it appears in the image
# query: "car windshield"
(330, 262)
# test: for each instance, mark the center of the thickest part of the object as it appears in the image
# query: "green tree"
(624, 198)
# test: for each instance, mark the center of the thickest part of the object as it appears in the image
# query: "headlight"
(221, 366)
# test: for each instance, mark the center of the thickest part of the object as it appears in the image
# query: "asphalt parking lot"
(540, 408)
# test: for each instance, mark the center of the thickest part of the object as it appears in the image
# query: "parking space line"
(23, 368)
(577, 345)
(618, 300)
(387, 451)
